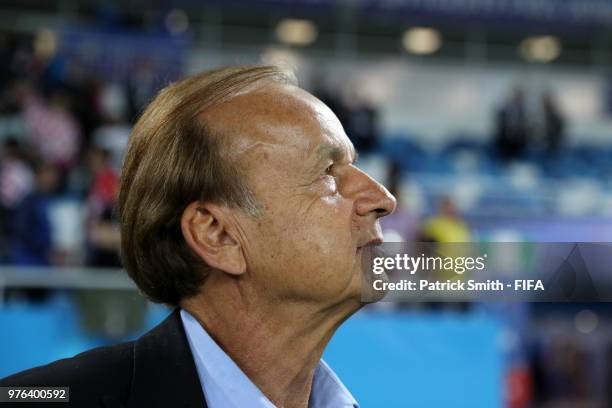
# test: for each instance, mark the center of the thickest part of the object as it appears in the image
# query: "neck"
(277, 345)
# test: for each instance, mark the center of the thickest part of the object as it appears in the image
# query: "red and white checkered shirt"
(54, 133)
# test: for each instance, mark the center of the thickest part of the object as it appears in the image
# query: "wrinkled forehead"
(279, 118)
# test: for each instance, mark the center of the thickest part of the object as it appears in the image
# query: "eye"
(329, 168)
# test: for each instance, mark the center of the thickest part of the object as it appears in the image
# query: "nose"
(372, 197)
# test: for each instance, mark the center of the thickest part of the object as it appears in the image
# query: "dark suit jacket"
(155, 371)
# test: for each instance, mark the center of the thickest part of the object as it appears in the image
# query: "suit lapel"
(164, 373)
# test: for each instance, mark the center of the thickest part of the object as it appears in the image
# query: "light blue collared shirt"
(225, 385)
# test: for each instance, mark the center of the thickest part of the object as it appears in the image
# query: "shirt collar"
(225, 385)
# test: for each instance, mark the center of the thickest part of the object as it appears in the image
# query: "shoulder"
(90, 375)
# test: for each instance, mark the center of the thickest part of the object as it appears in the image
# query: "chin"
(367, 292)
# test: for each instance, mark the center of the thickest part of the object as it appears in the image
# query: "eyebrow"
(326, 151)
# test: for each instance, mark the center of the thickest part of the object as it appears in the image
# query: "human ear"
(206, 229)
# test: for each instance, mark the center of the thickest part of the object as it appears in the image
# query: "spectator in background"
(53, 131)
(553, 124)
(31, 241)
(362, 126)
(16, 182)
(102, 311)
(102, 229)
(447, 225)
(512, 126)
(566, 375)
(330, 97)
(143, 84)
(16, 177)
(114, 132)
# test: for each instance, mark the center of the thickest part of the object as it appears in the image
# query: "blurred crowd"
(518, 127)
(63, 132)
(64, 129)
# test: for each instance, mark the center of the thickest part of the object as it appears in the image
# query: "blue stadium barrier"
(386, 359)
(420, 360)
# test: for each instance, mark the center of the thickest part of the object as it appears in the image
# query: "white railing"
(63, 278)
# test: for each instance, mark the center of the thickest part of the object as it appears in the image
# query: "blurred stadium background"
(489, 119)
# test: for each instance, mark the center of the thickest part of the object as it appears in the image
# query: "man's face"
(318, 209)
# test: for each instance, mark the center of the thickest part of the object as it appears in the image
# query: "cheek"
(309, 253)
(328, 237)
(322, 235)
(329, 221)
(334, 202)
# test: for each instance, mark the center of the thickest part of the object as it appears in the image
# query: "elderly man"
(241, 206)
